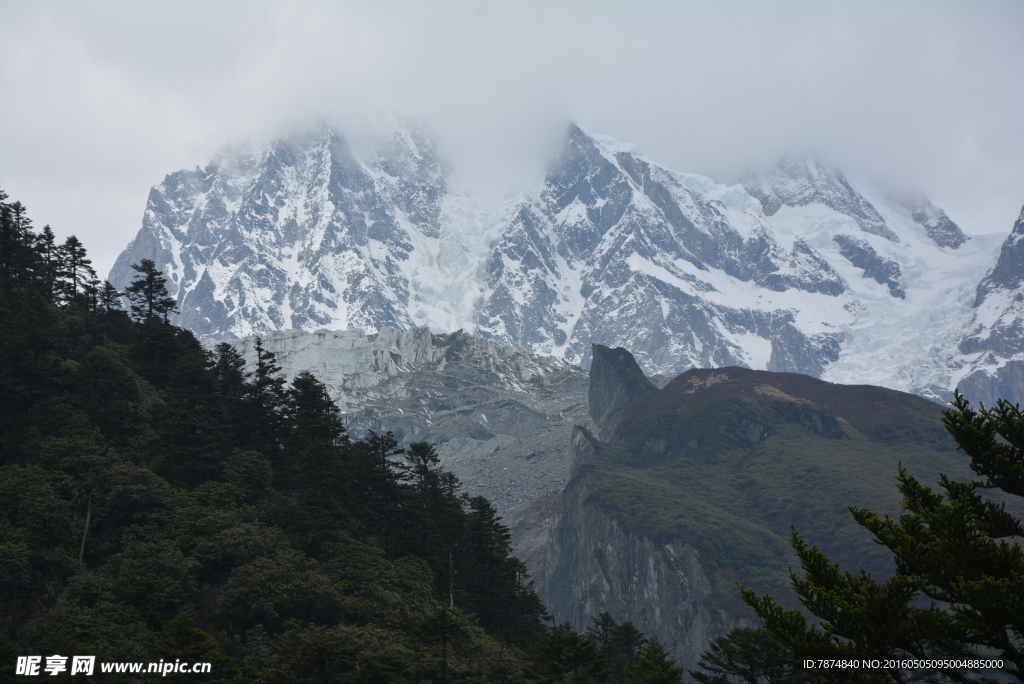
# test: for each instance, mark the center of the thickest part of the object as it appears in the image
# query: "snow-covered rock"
(795, 269)
(994, 344)
(306, 234)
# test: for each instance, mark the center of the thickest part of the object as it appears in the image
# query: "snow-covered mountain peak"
(939, 227)
(796, 269)
(802, 181)
(306, 234)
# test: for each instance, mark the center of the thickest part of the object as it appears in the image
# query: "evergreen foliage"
(957, 594)
(184, 641)
(654, 666)
(753, 656)
(162, 501)
(621, 644)
(148, 293)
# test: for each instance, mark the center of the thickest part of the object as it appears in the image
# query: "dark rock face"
(794, 352)
(582, 448)
(996, 337)
(863, 256)
(593, 565)
(940, 227)
(612, 251)
(500, 418)
(797, 183)
(636, 532)
(1007, 382)
(1008, 274)
(300, 235)
(615, 378)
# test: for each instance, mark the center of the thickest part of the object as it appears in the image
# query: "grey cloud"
(110, 97)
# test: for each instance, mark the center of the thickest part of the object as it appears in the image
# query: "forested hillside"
(162, 501)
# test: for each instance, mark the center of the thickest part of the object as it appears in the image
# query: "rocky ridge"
(995, 339)
(615, 380)
(799, 182)
(797, 269)
(306, 234)
(500, 418)
(593, 565)
(862, 255)
(694, 486)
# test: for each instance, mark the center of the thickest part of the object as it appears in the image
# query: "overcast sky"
(101, 100)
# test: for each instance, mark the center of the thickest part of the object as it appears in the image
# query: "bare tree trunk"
(85, 532)
(451, 582)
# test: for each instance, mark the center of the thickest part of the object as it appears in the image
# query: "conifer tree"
(50, 263)
(229, 368)
(148, 293)
(109, 297)
(18, 259)
(91, 294)
(620, 643)
(565, 656)
(752, 656)
(378, 476)
(313, 656)
(8, 657)
(483, 574)
(443, 633)
(183, 641)
(428, 500)
(314, 417)
(315, 433)
(958, 591)
(264, 401)
(654, 666)
(75, 269)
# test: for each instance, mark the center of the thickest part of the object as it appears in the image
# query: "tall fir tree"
(109, 297)
(183, 641)
(18, 258)
(264, 404)
(148, 293)
(75, 269)
(50, 263)
(653, 665)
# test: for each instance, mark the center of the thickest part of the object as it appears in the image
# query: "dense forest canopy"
(159, 500)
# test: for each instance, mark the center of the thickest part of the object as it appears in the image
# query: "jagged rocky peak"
(615, 379)
(939, 226)
(306, 233)
(1008, 273)
(611, 248)
(862, 255)
(589, 179)
(996, 336)
(799, 181)
(614, 249)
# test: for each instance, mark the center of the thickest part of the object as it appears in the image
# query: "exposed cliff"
(500, 417)
(996, 336)
(862, 255)
(615, 379)
(592, 565)
(697, 486)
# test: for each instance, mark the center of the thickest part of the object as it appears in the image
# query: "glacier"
(795, 269)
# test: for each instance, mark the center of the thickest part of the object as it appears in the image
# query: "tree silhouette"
(148, 293)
